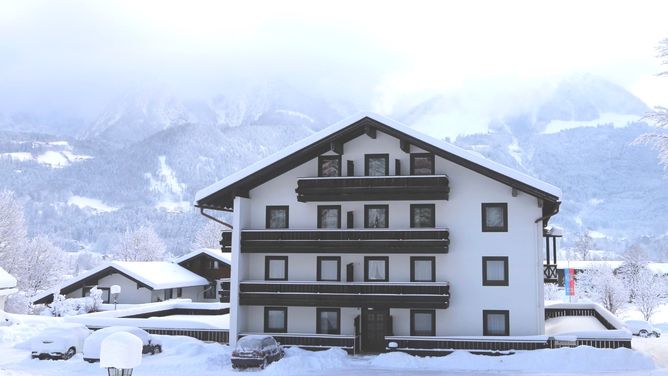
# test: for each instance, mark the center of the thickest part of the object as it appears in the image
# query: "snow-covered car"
(6, 319)
(61, 342)
(256, 351)
(92, 345)
(642, 328)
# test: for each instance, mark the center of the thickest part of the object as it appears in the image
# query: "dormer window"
(376, 164)
(422, 164)
(329, 165)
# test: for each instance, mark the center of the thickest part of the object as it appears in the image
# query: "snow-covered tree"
(601, 285)
(41, 266)
(648, 292)
(143, 244)
(208, 236)
(583, 244)
(659, 116)
(635, 261)
(12, 232)
(551, 291)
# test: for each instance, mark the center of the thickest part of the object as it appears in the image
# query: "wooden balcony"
(550, 273)
(435, 295)
(373, 188)
(367, 241)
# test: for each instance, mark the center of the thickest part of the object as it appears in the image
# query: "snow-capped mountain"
(145, 156)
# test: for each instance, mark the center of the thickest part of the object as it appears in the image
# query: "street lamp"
(115, 291)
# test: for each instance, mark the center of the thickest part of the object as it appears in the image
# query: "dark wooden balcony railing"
(348, 294)
(550, 273)
(373, 188)
(346, 241)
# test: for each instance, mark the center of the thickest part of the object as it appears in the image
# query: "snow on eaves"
(7, 281)
(158, 275)
(445, 146)
(213, 252)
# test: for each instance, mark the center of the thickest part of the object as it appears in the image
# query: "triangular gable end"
(220, 196)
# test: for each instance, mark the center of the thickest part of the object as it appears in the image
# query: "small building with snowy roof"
(7, 287)
(212, 264)
(141, 282)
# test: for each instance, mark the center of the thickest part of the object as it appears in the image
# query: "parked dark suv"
(256, 351)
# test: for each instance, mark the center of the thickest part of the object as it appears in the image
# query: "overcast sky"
(74, 56)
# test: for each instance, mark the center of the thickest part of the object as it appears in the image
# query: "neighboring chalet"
(146, 282)
(7, 287)
(369, 233)
(213, 265)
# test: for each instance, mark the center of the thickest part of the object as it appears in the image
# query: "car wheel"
(643, 333)
(654, 334)
(70, 353)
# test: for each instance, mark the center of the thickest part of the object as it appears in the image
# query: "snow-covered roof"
(213, 252)
(7, 281)
(444, 146)
(157, 275)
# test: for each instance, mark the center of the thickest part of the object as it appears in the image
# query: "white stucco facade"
(461, 267)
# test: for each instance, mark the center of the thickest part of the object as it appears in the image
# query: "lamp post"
(115, 291)
(120, 353)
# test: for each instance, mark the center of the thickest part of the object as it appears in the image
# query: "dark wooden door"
(373, 330)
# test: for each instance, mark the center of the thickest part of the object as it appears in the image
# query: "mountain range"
(141, 160)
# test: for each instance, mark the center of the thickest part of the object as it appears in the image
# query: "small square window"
(495, 271)
(376, 216)
(328, 320)
(495, 323)
(277, 216)
(329, 216)
(423, 322)
(423, 269)
(275, 319)
(422, 164)
(376, 164)
(276, 268)
(329, 268)
(423, 215)
(376, 269)
(494, 217)
(329, 165)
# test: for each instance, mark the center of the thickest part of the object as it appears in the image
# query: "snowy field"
(184, 355)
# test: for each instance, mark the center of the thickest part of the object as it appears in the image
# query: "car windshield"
(249, 344)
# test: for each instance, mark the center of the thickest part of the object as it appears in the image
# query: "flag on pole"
(569, 281)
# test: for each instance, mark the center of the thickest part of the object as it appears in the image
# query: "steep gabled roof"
(220, 195)
(154, 275)
(216, 254)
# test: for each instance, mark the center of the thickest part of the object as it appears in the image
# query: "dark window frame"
(266, 319)
(376, 258)
(422, 155)
(267, 260)
(423, 258)
(269, 208)
(366, 215)
(433, 321)
(494, 282)
(338, 319)
(319, 220)
(485, 329)
(423, 206)
(369, 156)
(321, 158)
(486, 205)
(319, 268)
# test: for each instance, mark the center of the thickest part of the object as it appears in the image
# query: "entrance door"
(374, 325)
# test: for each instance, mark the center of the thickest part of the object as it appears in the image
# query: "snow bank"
(577, 360)
(298, 360)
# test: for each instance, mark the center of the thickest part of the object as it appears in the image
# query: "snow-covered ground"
(184, 355)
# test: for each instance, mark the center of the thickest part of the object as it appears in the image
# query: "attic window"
(422, 164)
(329, 165)
(376, 164)
(495, 217)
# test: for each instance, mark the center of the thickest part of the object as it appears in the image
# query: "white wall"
(300, 319)
(462, 267)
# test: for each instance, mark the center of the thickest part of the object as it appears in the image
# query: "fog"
(74, 57)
